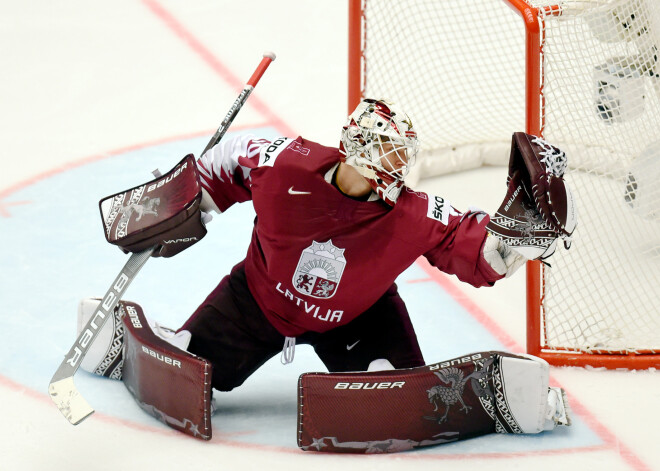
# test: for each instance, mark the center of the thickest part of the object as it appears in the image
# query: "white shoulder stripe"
(202, 169)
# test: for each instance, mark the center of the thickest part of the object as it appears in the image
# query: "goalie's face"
(381, 144)
(394, 158)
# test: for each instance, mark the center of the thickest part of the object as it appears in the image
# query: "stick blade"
(69, 401)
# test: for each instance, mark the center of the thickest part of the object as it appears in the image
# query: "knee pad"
(167, 382)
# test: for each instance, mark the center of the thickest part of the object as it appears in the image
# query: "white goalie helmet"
(379, 141)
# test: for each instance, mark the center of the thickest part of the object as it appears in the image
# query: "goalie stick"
(62, 388)
(240, 101)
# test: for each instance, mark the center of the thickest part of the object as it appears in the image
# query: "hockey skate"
(558, 411)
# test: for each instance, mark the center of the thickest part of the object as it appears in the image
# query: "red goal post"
(615, 90)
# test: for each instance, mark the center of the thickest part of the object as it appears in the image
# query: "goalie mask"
(379, 141)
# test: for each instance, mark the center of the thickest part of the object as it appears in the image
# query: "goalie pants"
(231, 332)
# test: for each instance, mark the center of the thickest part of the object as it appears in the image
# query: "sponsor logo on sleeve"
(439, 209)
(270, 152)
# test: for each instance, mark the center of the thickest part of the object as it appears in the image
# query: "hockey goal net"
(584, 75)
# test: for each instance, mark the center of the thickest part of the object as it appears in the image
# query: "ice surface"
(96, 95)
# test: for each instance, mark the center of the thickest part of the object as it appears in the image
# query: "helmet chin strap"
(367, 173)
(389, 194)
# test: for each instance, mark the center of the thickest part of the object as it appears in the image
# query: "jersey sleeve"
(460, 249)
(225, 169)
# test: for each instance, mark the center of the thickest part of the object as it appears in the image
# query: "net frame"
(533, 15)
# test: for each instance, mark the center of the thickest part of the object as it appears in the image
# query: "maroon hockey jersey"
(318, 258)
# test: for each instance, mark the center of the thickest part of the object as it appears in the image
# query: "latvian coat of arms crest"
(319, 270)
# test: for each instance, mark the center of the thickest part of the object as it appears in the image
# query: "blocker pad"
(164, 212)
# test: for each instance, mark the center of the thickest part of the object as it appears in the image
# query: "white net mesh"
(601, 104)
(459, 68)
(438, 61)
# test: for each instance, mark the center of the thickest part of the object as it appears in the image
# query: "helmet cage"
(382, 145)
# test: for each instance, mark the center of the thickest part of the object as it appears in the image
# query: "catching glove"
(538, 207)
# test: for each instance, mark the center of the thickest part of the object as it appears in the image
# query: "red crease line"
(510, 344)
(216, 65)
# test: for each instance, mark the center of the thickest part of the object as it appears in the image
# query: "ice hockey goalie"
(397, 410)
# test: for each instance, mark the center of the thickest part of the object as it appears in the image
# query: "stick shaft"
(62, 389)
(240, 101)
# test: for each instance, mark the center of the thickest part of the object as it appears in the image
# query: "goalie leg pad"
(390, 411)
(533, 405)
(167, 382)
(523, 393)
(105, 356)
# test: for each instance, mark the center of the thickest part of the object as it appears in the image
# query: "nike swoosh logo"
(350, 347)
(294, 192)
